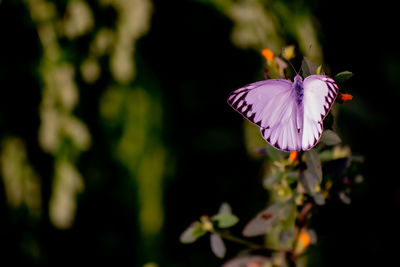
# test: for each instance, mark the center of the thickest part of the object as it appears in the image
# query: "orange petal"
(345, 97)
(268, 54)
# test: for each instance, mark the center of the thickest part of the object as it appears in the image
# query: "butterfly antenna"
(293, 67)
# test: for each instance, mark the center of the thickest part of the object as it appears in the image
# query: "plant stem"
(301, 224)
(238, 240)
(304, 212)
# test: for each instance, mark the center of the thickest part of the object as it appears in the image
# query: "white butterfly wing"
(271, 105)
(320, 92)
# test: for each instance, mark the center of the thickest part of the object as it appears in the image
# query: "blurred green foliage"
(82, 50)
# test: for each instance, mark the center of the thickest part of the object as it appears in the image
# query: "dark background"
(188, 51)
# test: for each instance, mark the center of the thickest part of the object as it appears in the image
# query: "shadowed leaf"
(260, 224)
(308, 68)
(313, 236)
(273, 153)
(319, 198)
(310, 183)
(330, 138)
(191, 234)
(313, 164)
(343, 76)
(344, 198)
(273, 179)
(311, 178)
(225, 208)
(217, 245)
(266, 219)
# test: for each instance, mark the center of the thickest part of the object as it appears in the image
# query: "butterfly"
(290, 114)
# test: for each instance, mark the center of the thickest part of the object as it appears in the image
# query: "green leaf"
(217, 245)
(319, 199)
(199, 231)
(326, 155)
(313, 236)
(192, 233)
(286, 210)
(281, 234)
(279, 239)
(273, 178)
(225, 220)
(330, 138)
(343, 76)
(278, 222)
(309, 182)
(292, 176)
(273, 153)
(311, 185)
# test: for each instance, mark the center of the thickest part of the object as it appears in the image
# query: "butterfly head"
(297, 79)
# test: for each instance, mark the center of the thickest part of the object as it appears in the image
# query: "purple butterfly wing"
(271, 104)
(320, 92)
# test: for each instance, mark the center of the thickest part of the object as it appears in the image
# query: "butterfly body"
(289, 114)
(298, 89)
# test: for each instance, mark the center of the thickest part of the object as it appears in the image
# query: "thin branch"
(304, 212)
(239, 240)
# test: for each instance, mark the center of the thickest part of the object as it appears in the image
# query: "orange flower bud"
(268, 54)
(292, 156)
(345, 97)
(304, 239)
